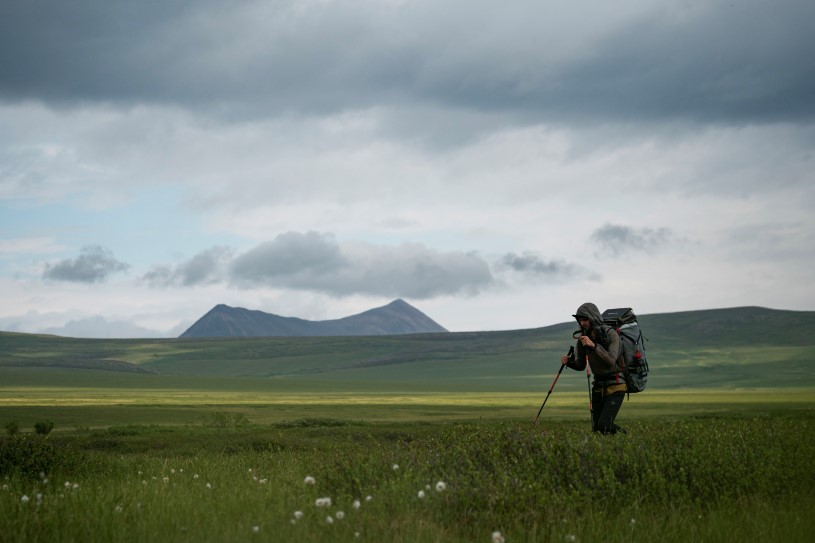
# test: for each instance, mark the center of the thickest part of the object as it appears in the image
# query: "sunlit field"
(268, 401)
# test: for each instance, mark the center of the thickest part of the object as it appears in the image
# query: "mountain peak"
(396, 318)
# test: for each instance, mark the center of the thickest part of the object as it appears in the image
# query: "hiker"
(599, 344)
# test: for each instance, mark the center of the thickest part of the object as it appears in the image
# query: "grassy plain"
(167, 458)
(714, 479)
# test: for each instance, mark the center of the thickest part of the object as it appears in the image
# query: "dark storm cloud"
(732, 62)
(288, 257)
(707, 61)
(617, 240)
(207, 267)
(94, 264)
(535, 266)
(314, 261)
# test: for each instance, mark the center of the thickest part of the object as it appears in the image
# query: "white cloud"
(94, 264)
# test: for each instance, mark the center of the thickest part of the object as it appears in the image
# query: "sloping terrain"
(742, 347)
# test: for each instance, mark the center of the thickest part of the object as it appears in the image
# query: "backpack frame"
(635, 365)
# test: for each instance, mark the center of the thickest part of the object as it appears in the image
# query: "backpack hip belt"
(611, 389)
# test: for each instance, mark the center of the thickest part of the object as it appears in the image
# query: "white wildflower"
(24, 499)
(67, 484)
(421, 494)
(570, 537)
(497, 537)
(633, 521)
(298, 515)
(427, 487)
(75, 486)
(118, 509)
(140, 473)
(395, 467)
(172, 470)
(196, 476)
(356, 504)
(309, 480)
(441, 486)
(255, 529)
(323, 502)
(340, 515)
(356, 534)
(263, 481)
(166, 480)
(209, 485)
(329, 520)
(368, 498)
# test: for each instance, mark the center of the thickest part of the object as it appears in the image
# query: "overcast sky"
(493, 164)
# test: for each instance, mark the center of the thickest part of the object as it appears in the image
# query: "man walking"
(599, 345)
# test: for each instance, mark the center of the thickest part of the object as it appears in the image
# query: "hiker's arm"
(609, 356)
(576, 362)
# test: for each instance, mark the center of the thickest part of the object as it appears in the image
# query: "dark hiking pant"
(604, 411)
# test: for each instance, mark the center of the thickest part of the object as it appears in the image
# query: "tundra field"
(179, 464)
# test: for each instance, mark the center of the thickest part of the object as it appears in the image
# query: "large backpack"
(635, 366)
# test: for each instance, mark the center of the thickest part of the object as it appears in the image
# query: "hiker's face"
(584, 323)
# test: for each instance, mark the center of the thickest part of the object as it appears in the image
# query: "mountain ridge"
(396, 318)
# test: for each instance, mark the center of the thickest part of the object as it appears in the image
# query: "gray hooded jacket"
(605, 360)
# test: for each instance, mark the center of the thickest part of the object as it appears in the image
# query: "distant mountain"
(398, 317)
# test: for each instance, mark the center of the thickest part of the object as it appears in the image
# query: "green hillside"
(741, 347)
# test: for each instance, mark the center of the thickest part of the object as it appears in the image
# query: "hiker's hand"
(587, 342)
(564, 359)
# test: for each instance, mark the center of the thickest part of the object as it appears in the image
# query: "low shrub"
(43, 427)
(30, 456)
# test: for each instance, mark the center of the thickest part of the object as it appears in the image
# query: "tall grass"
(712, 479)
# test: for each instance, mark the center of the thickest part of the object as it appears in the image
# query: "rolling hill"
(740, 347)
(398, 317)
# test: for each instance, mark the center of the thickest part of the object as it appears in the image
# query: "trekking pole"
(571, 351)
(588, 383)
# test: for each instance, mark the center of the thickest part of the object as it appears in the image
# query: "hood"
(590, 311)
